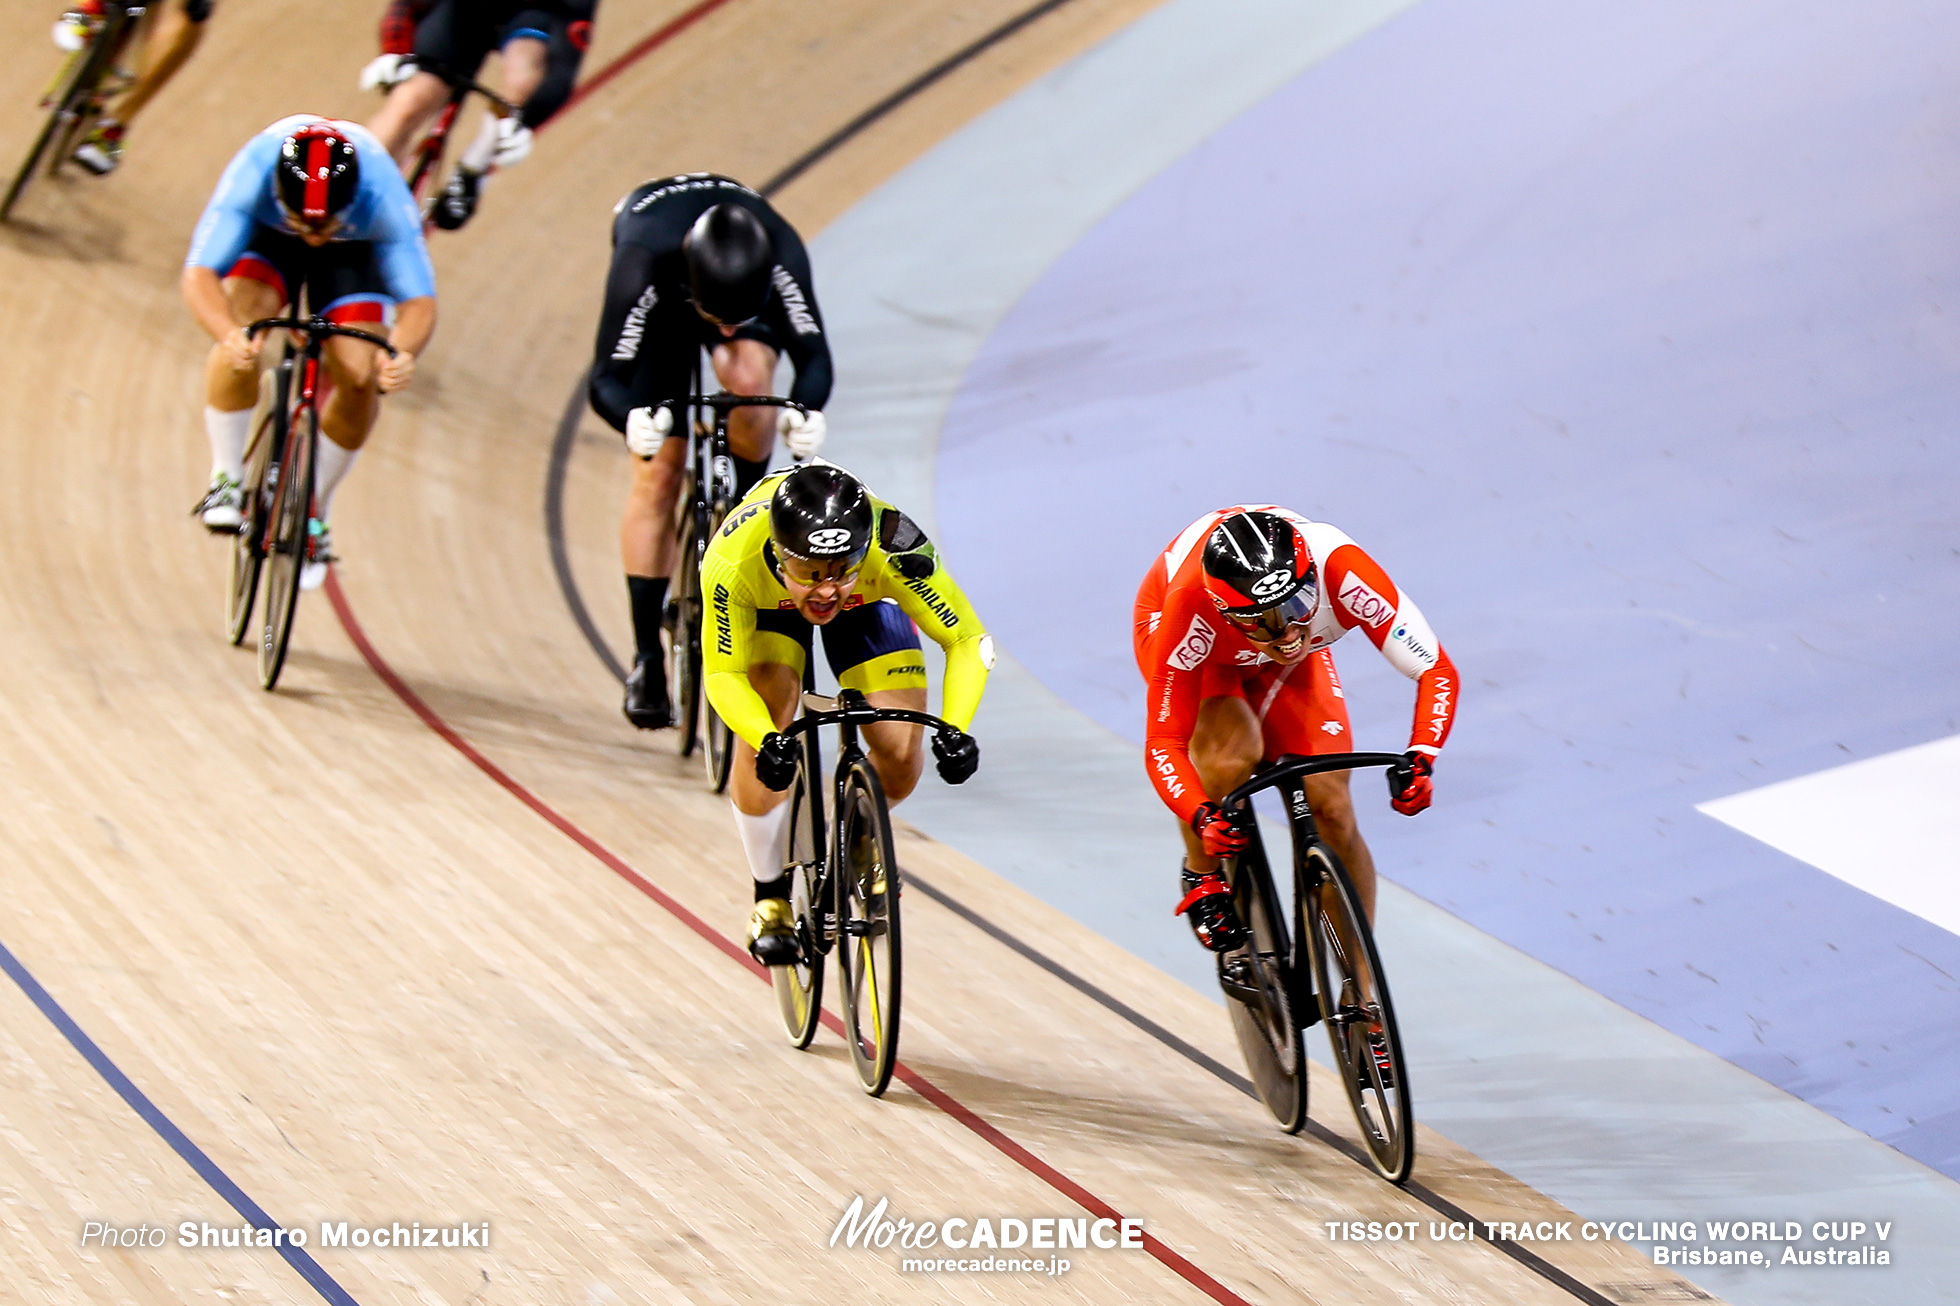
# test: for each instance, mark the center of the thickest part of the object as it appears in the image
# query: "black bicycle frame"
(1285, 775)
(851, 712)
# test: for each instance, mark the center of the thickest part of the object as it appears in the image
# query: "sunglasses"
(1269, 625)
(808, 575)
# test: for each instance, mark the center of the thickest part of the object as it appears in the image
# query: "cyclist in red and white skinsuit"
(1234, 624)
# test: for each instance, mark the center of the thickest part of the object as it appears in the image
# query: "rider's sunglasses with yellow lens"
(808, 574)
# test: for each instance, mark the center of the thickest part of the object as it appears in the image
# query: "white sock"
(477, 157)
(227, 433)
(335, 463)
(762, 840)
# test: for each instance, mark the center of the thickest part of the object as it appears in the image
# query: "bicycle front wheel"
(73, 86)
(720, 739)
(1360, 1018)
(799, 988)
(1257, 977)
(867, 878)
(287, 538)
(248, 546)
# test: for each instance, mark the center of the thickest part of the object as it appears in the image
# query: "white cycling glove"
(513, 142)
(70, 37)
(384, 71)
(802, 433)
(646, 428)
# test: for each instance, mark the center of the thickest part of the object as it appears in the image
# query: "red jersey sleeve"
(1364, 598)
(1174, 658)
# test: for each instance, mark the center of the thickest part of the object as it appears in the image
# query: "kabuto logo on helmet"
(1271, 584)
(829, 541)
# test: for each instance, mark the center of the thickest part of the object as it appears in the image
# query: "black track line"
(554, 515)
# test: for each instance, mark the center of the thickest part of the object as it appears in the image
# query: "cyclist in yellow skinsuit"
(812, 548)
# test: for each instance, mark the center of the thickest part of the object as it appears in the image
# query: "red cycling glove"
(1217, 831)
(1409, 789)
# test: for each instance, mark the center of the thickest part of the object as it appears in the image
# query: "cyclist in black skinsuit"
(543, 43)
(699, 262)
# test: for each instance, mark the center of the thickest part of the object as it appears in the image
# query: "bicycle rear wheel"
(682, 621)
(867, 925)
(1360, 1017)
(292, 506)
(799, 988)
(1257, 977)
(248, 546)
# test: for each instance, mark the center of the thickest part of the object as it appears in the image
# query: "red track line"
(932, 1093)
(641, 49)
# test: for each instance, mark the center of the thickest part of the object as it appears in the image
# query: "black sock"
(648, 595)
(747, 473)
(776, 888)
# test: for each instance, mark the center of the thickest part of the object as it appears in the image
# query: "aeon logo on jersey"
(1195, 647)
(1368, 607)
(1269, 585)
(836, 537)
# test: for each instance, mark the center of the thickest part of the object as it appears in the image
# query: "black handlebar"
(853, 709)
(1292, 767)
(317, 326)
(723, 402)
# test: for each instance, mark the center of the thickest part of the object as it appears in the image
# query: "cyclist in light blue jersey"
(312, 213)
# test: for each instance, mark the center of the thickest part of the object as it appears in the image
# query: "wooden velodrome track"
(369, 982)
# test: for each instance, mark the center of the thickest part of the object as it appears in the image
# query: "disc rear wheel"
(1360, 1018)
(868, 934)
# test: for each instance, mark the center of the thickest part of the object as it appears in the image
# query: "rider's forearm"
(205, 295)
(1436, 696)
(415, 322)
(966, 680)
(734, 699)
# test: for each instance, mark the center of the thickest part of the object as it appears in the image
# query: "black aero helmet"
(821, 513)
(318, 174)
(1255, 561)
(729, 261)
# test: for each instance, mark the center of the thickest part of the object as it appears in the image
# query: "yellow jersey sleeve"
(728, 617)
(908, 571)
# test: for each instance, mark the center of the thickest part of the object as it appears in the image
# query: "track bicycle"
(423, 176)
(708, 496)
(87, 80)
(844, 887)
(275, 534)
(1321, 967)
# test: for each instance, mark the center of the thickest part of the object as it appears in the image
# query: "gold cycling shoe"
(772, 933)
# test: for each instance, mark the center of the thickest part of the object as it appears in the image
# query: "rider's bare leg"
(1333, 816)
(350, 411)
(409, 108)
(748, 367)
(166, 48)
(1225, 745)
(230, 393)
(894, 746)
(524, 61)
(646, 529)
